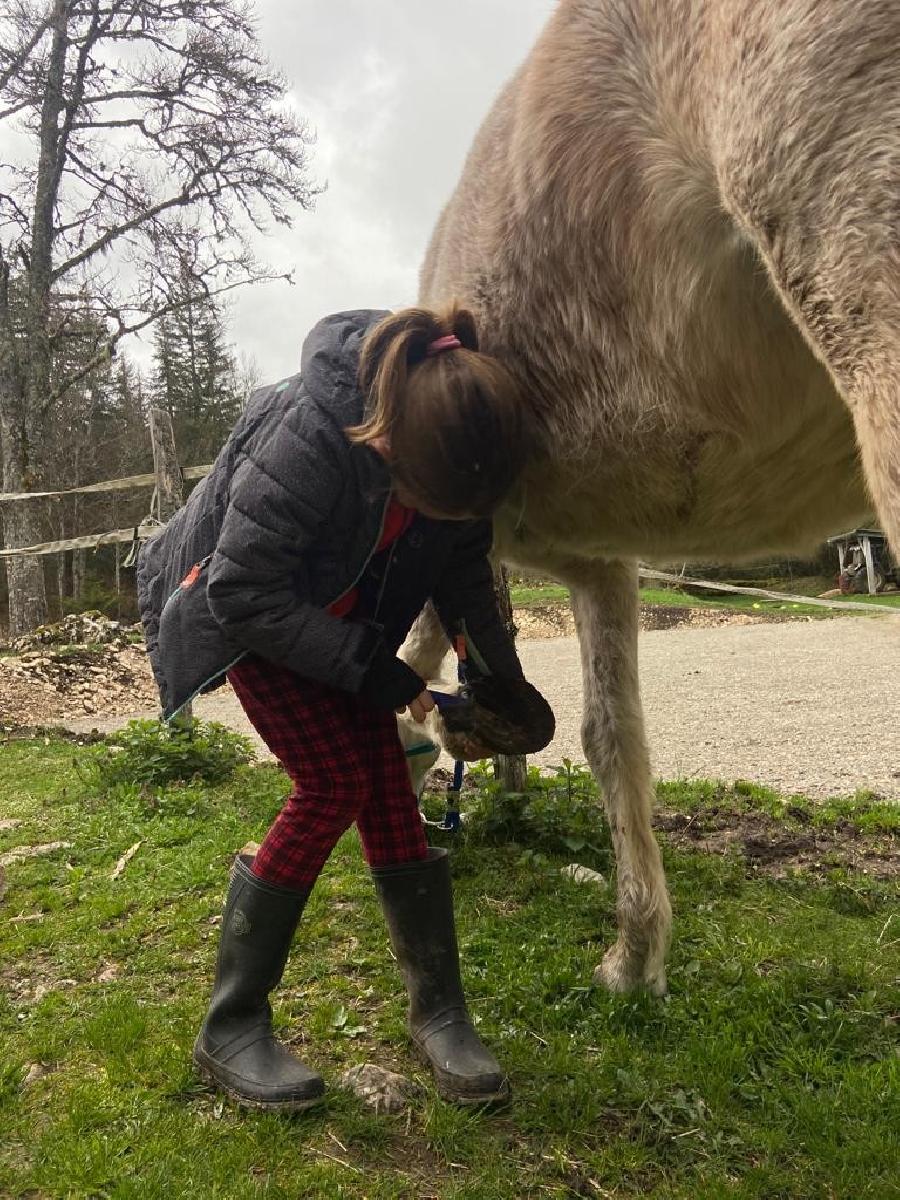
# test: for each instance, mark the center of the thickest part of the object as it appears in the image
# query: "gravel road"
(810, 707)
(806, 707)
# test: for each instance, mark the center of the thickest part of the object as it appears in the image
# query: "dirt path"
(809, 707)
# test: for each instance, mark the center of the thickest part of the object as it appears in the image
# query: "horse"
(679, 227)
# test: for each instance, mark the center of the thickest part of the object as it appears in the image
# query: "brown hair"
(453, 421)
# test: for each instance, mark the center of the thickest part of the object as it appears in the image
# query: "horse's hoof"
(620, 972)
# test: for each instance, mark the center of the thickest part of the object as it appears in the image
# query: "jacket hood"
(329, 361)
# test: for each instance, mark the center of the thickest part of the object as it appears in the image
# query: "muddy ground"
(775, 849)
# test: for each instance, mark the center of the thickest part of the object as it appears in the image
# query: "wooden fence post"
(169, 481)
(511, 769)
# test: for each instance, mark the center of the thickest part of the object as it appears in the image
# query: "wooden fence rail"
(166, 479)
(126, 484)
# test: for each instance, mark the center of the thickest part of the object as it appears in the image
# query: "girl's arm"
(511, 714)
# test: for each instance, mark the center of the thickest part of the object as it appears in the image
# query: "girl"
(345, 498)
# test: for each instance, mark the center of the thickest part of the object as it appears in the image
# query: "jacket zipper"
(369, 558)
(384, 579)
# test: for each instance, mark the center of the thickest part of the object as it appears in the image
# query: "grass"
(770, 1071)
(749, 603)
(535, 596)
(865, 812)
(532, 596)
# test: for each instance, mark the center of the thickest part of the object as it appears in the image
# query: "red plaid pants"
(346, 763)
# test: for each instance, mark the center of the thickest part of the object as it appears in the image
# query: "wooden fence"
(167, 481)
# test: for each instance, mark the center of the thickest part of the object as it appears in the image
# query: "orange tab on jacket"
(192, 576)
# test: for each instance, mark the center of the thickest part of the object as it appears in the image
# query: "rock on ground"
(380, 1089)
(81, 666)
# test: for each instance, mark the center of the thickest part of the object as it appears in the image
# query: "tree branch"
(111, 235)
(21, 57)
(104, 355)
(74, 103)
(15, 108)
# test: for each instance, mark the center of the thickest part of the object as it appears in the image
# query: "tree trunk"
(24, 576)
(118, 559)
(21, 405)
(22, 526)
(79, 566)
(510, 769)
(61, 579)
(79, 557)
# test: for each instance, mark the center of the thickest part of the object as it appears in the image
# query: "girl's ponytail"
(462, 323)
(451, 422)
(396, 345)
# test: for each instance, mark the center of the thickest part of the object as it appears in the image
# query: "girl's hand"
(420, 707)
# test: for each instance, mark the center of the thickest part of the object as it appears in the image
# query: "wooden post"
(510, 769)
(169, 482)
(870, 564)
(118, 559)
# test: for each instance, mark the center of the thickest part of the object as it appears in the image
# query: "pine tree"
(196, 379)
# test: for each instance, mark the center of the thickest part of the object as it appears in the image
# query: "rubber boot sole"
(208, 1075)
(452, 1095)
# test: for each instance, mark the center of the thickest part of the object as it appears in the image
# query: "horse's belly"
(773, 485)
(784, 498)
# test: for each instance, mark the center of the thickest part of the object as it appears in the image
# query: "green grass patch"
(155, 753)
(532, 597)
(535, 596)
(864, 811)
(752, 604)
(886, 599)
(771, 1069)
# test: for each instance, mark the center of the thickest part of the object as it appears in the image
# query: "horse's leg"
(809, 165)
(426, 646)
(605, 601)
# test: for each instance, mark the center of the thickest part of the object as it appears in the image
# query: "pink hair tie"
(450, 342)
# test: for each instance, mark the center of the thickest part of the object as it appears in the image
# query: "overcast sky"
(395, 91)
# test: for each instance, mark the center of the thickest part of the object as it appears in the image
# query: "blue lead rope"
(444, 700)
(452, 819)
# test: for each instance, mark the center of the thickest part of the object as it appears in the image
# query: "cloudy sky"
(395, 91)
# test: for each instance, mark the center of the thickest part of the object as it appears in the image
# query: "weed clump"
(559, 813)
(154, 754)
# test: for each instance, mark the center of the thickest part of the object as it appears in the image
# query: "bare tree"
(146, 140)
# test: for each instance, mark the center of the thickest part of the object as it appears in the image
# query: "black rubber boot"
(417, 899)
(236, 1049)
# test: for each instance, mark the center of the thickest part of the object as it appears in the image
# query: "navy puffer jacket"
(286, 523)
